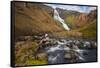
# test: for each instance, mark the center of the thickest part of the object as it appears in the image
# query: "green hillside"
(89, 31)
(33, 19)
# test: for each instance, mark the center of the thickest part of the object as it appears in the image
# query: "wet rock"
(37, 38)
(72, 56)
(87, 44)
(93, 44)
(67, 56)
(41, 56)
(79, 43)
(75, 47)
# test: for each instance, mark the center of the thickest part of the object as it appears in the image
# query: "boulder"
(67, 56)
(71, 56)
(41, 56)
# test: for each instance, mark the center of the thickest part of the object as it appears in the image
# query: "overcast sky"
(84, 9)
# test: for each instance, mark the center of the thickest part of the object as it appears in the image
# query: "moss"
(37, 62)
(24, 54)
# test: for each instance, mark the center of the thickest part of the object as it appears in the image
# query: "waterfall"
(58, 18)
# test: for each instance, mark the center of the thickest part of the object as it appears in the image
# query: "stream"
(56, 53)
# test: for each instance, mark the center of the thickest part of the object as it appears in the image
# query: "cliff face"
(81, 20)
(92, 15)
(84, 19)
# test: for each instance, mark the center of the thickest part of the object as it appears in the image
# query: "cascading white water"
(53, 59)
(80, 54)
(58, 18)
(56, 53)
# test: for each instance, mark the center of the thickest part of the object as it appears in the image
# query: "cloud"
(84, 9)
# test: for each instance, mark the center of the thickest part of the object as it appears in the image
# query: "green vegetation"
(89, 31)
(71, 21)
(25, 54)
(33, 20)
(36, 19)
(37, 62)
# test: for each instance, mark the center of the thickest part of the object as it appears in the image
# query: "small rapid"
(60, 53)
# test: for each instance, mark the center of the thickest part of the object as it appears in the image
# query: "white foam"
(81, 58)
(58, 18)
(53, 59)
(52, 49)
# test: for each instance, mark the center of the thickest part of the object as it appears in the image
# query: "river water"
(57, 52)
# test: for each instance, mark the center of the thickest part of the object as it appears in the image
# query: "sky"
(83, 9)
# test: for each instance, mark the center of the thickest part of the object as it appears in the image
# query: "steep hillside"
(84, 24)
(76, 19)
(32, 19)
(89, 31)
(65, 13)
(84, 19)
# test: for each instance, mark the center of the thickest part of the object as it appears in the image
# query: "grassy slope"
(25, 54)
(71, 22)
(89, 31)
(33, 20)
